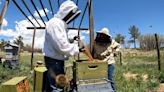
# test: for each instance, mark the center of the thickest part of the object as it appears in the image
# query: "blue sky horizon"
(117, 15)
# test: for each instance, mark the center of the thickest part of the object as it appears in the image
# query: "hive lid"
(14, 80)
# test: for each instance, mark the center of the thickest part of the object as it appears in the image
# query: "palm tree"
(120, 38)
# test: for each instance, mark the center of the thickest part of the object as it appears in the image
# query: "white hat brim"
(103, 33)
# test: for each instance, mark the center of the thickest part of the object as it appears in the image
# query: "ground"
(138, 72)
(161, 88)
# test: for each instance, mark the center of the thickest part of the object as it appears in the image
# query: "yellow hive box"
(16, 84)
(39, 78)
(91, 70)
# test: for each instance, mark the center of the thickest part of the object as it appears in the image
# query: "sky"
(117, 15)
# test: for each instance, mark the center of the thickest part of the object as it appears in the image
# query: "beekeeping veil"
(106, 38)
(68, 11)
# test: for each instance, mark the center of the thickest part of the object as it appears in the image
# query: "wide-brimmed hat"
(104, 31)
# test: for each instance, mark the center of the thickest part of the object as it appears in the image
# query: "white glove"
(107, 58)
(103, 54)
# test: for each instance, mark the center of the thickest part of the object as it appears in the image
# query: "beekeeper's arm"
(113, 48)
(61, 42)
(117, 49)
(116, 46)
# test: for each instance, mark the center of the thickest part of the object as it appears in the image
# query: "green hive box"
(91, 70)
(39, 78)
(16, 84)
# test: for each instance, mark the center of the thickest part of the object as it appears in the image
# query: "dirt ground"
(129, 76)
(161, 88)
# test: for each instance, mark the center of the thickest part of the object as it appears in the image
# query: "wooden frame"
(35, 27)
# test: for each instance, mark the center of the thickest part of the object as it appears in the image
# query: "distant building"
(11, 51)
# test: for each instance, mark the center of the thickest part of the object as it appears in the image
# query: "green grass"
(140, 64)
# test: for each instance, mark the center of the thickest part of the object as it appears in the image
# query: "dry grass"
(161, 88)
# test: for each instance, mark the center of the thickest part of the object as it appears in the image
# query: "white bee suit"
(57, 45)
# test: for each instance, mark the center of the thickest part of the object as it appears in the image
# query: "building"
(11, 51)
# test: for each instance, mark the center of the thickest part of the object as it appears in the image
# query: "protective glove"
(76, 38)
(103, 54)
(82, 49)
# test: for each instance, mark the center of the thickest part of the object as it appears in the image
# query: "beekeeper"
(57, 47)
(109, 49)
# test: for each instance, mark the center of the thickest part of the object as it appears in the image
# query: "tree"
(133, 31)
(147, 41)
(120, 38)
(28, 48)
(19, 41)
(2, 43)
(127, 44)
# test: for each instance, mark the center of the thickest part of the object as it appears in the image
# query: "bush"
(161, 77)
(147, 41)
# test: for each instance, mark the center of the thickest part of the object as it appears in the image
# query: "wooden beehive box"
(16, 84)
(91, 70)
(39, 78)
(97, 85)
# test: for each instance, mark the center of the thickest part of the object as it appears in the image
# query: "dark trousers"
(55, 66)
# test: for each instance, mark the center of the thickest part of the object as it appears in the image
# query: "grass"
(141, 64)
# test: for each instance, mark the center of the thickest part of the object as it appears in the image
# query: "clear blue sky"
(117, 15)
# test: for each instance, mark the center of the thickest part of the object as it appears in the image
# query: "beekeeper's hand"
(76, 38)
(103, 54)
(82, 49)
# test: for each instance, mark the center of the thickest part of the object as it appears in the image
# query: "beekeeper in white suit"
(57, 47)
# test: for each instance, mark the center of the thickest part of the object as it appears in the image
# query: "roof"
(13, 45)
